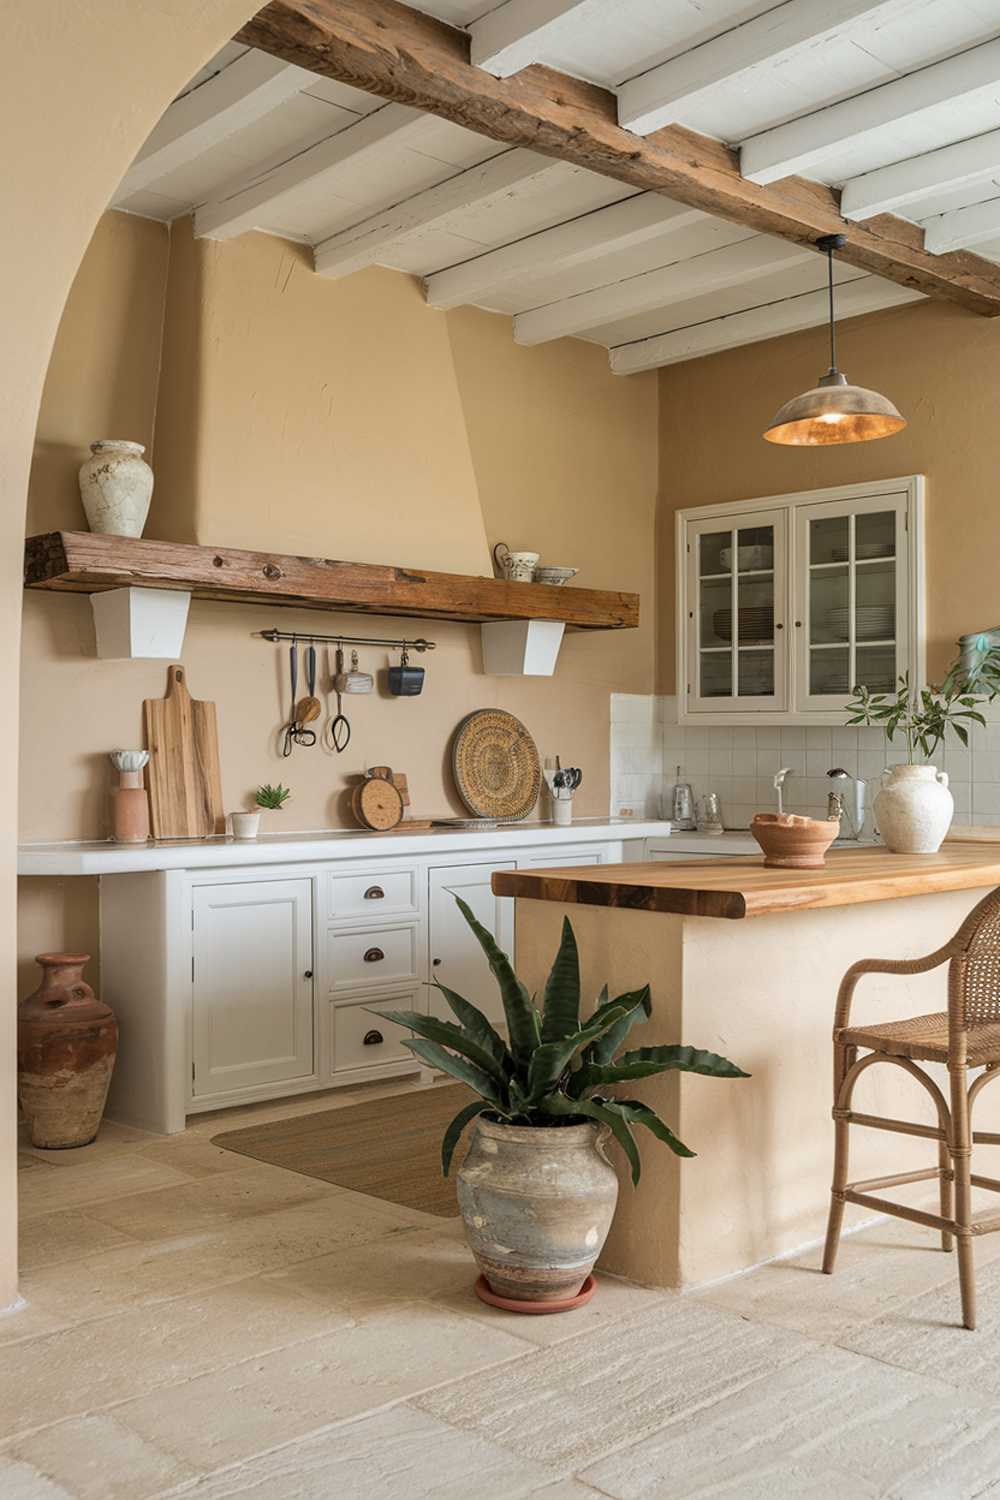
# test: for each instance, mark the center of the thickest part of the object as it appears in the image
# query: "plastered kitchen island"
(746, 962)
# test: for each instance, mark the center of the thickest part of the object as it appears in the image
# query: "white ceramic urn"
(914, 809)
(116, 486)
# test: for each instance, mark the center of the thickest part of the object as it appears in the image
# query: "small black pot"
(406, 682)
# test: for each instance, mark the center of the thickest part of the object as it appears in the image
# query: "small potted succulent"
(536, 1190)
(247, 824)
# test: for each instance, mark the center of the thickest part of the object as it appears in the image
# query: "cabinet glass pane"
(716, 674)
(756, 609)
(875, 535)
(711, 546)
(829, 605)
(756, 673)
(829, 670)
(755, 549)
(876, 668)
(716, 614)
(875, 601)
(829, 540)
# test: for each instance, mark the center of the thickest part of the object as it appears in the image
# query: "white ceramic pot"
(116, 486)
(246, 825)
(537, 1202)
(914, 809)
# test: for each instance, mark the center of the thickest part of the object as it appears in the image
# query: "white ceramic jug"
(914, 809)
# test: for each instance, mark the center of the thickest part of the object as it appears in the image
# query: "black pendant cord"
(829, 243)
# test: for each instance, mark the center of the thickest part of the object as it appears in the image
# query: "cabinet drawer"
(360, 895)
(371, 957)
(361, 1040)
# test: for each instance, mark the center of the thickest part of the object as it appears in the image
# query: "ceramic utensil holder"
(246, 825)
(130, 804)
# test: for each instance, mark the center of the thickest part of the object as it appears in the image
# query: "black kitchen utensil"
(406, 681)
(340, 729)
(295, 731)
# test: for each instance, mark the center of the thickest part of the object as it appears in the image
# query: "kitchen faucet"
(779, 786)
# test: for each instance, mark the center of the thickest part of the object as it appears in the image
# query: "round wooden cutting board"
(377, 804)
(495, 764)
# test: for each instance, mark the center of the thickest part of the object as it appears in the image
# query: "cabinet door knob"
(308, 974)
(372, 1038)
(374, 956)
(435, 962)
(374, 893)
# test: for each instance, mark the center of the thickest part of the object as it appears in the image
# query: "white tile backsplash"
(739, 763)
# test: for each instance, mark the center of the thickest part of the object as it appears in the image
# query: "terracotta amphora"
(67, 1042)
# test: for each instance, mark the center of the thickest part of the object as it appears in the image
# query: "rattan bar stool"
(965, 1036)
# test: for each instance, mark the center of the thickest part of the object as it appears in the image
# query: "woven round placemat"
(495, 764)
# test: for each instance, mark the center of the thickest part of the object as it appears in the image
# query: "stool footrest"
(899, 1127)
(899, 1210)
(991, 1184)
(897, 1180)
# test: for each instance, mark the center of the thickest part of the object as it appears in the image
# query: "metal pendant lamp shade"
(833, 411)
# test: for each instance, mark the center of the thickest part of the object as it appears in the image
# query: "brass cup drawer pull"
(374, 956)
(374, 893)
(372, 1038)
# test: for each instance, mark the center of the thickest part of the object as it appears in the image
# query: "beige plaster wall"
(80, 89)
(938, 363)
(344, 419)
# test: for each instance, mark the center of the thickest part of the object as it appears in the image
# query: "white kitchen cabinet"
(252, 986)
(456, 957)
(784, 606)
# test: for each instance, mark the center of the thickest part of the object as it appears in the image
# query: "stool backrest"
(975, 968)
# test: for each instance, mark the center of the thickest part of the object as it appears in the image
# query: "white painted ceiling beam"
(809, 310)
(747, 260)
(803, 144)
(896, 187)
(509, 37)
(663, 95)
(244, 206)
(603, 231)
(962, 227)
(246, 90)
(477, 187)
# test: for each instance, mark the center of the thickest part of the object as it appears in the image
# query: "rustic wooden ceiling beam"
(402, 55)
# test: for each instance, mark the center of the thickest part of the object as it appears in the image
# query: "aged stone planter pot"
(537, 1204)
(914, 809)
(67, 1042)
(116, 486)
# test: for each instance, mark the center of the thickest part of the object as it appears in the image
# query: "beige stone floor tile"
(87, 1184)
(833, 1425)
(569, 1405)
(273, 1398)
(19, 1481)
(84, 1369)
(27, 1321)
(882, 1268)
(400, 1454)
(141, 1273)
(193, 1157)
(613, 1300)
(49, 1239)
(98, 1458)
(210, 1201)
(111, 1139)
(411, 1265)
(925, 1336)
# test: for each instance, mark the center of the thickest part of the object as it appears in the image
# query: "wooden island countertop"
(738, 887)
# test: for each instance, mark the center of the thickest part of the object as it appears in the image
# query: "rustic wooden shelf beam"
(84, 562)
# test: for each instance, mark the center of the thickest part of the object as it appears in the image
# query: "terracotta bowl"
(791, 842)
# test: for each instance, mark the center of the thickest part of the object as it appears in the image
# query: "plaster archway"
(81, 86)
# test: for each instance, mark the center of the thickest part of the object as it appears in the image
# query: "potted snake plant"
(536, 1191)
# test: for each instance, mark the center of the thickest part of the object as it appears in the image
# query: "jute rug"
(389, 1148)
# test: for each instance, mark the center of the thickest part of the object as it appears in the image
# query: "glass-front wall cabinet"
(784, 611)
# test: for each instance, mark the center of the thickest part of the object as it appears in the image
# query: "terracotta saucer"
(485, 1293)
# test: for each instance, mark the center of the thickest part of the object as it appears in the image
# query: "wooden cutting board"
(185, 785)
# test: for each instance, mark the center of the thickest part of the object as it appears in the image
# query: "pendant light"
(834, 412)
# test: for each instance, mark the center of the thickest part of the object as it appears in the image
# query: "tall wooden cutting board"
(185, 785)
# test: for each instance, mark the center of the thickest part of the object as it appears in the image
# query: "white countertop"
(107, 858)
